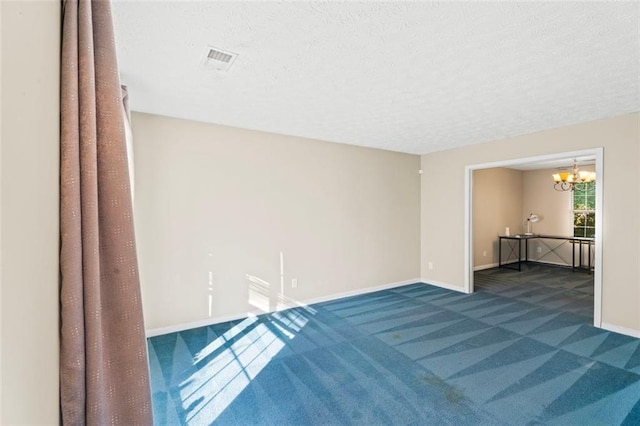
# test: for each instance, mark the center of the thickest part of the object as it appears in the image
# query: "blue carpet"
(519, 351)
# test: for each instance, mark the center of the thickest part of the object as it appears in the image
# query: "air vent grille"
(218, 58)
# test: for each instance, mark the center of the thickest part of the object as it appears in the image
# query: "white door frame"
(598, 153)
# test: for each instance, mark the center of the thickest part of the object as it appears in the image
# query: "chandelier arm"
(564, 186)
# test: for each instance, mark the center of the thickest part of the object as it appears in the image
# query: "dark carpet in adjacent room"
(518, 351)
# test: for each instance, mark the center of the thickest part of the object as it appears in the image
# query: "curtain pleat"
(104, 376)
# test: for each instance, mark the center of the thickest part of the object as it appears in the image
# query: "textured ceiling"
(414, 77)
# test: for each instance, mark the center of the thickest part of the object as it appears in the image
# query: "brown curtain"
(104, 376)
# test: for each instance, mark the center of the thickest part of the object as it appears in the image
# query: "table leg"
(519, 255)
(580, 256)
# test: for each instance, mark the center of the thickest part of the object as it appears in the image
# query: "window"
(584, 210)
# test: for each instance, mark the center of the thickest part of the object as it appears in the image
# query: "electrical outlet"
(294, 283)
(430, 265)
(484, 253)
(539, 250)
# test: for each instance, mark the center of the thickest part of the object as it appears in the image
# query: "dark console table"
(515, 243)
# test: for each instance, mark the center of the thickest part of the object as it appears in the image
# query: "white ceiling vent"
(218, 59)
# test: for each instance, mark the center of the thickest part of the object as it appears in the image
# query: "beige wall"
(553, 207)
(497, 204)
(29, 212)
(442, 224)
(227, 218)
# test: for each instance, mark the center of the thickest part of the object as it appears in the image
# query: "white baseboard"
(622, 330)
(545, 262)
(487, 266)
(359, 291)
(444, 285)
(197, 324)
(511, 262)
(285, 304)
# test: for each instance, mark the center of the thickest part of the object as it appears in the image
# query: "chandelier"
(569, 181)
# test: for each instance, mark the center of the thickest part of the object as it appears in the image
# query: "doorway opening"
(597, 155)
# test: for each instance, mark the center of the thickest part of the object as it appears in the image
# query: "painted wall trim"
(483, 267)
(622, 330)
(598, 153)
(446, 286)
(544, 262)
(288, 304)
